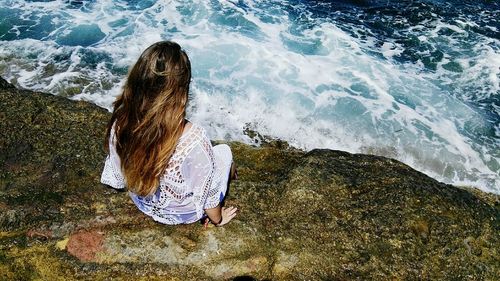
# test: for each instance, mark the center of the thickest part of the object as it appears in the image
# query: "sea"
(418, 81)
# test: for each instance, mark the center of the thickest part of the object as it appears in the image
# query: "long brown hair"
(148, 116)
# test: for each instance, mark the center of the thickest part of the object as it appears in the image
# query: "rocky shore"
(320, 215)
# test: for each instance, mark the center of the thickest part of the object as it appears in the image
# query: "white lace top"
(194, 180)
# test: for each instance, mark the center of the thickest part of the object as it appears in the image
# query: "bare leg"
(233, 173)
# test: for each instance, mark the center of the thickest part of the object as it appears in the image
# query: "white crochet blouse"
(194, 180)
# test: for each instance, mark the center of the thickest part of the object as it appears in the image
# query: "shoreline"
(316, 215)
(258, 139)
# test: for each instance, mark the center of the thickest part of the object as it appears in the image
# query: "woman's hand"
(220, 216)
(227, 214)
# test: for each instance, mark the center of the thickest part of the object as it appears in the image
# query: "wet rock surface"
(321, 215)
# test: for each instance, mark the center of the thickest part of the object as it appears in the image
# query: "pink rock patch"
(85, 244)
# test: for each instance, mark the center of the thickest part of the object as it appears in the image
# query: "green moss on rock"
(320, 215)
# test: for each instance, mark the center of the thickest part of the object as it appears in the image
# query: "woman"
(167, 163)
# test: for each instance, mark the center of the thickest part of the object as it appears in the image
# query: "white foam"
(336, 95)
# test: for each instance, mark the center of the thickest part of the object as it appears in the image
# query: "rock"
(84, 245)
(320, 215)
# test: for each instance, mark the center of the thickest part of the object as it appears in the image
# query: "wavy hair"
(148, 117)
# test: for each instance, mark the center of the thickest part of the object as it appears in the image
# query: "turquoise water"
(418, 81)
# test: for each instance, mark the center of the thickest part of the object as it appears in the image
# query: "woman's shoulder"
(194, 133)
(193, 140)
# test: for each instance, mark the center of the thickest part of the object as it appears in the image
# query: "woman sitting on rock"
(172, 172)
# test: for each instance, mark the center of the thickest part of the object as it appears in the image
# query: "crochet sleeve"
(199, 171)
(112, 174)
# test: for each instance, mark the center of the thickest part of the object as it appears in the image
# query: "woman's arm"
(112, 174)
(219, 216)
(199, 171)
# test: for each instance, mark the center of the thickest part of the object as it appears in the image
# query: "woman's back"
(172, 171)
(194, 179)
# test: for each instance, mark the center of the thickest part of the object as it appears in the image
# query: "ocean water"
(418, 81)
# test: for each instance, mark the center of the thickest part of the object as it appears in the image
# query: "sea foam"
(287, 71)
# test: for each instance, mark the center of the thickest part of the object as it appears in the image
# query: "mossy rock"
(320, 215)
